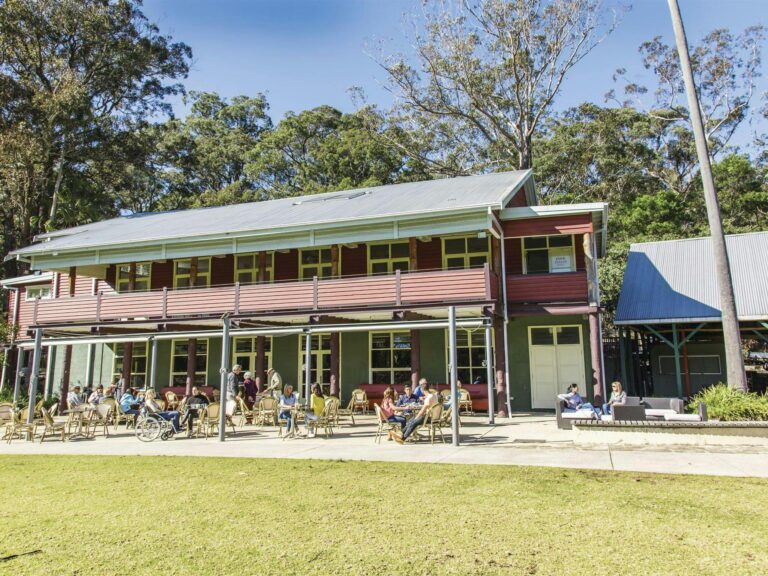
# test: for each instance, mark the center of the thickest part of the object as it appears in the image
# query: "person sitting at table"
(249, 389)
(153, 407)
(618, 397)
(407, 397)
(574, 401)
(286, 403)
(430, 400)
(421, 389)
(129, 403)
(389, 409)
(195, 403)
(97, 397)
(73, 398)
(316, 407)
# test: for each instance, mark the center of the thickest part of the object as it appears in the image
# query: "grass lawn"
(163, 516)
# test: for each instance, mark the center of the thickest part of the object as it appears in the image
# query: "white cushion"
(659, 412)
(579, 414)
(606, 417)
(682, 418)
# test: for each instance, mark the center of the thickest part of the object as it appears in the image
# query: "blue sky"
(304, 53)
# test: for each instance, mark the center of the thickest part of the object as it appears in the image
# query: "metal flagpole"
(731, 335)
(454, 374)
(21, 358)
(33, 375)
(489, 371)
(225, 321)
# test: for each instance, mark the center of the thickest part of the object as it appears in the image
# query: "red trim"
(548, 226)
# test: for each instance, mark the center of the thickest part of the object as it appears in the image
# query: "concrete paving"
(523, 439)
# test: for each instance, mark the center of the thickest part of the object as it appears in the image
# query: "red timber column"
(261, 368)
(67, 365)
(335, 346)
(191, 342)
(413, 265)
(595, 334)
(501, 367)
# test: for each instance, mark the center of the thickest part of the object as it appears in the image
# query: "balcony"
(547, 288)
(398, 290)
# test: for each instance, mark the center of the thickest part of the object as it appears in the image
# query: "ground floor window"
(470, 356)
(245, 353)
(697, 364)
(320, 359)
(390, 357)
(138, 363)
(179, 353)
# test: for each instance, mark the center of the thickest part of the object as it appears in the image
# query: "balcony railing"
(395, 290)
(546, 288)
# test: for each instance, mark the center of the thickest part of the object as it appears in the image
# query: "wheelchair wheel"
(148, 430)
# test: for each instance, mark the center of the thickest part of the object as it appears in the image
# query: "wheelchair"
(150, 427)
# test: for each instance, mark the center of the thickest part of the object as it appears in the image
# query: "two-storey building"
(346, 288)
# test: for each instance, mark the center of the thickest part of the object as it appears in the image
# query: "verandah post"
(21, 359)
(34, 373)
(678, 373)
(489, 370)
(225, 323)
(153, 366)
(307, 364)
(453, 374)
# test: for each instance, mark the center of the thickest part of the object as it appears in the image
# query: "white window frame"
(39, 293)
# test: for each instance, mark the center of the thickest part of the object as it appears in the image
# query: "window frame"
(466, 255)
(134, 356)
(204, 372)
(392, 369)
(120, 281)
(682, 371)
(320, 265)
(38, 290)
(269, 268)
(553, 328)
(389, 261)
(320, 353)
(524, 251)
(253, 354)
(471, 367)
(206, 275)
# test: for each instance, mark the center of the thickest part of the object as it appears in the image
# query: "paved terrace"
(523, 439)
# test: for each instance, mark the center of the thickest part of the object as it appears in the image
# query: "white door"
(557, 360)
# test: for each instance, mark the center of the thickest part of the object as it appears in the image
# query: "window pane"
(381, 378)
(401, 358)
(455, 246)
(243, 345)
(182, 282)
(379, 268)
(379, 252)
(402, 266)
(142, 270)
(380, 341)
(462, 357)
(537, 262)
(245, 277)
(310, 257)
(402, 376)
(380, 359)
(477, 357)
(325, 255)
(183, 266)
(536, 242)
(400, 250)
(568, 335)
(541, 336)
(203, 265)
(325, 272)
(477, 261)
(308, 273)
(477, 244)
(180, 364)
(704, 364)
(455, 262)
(560, 240)
(402, 340)
(245, 261)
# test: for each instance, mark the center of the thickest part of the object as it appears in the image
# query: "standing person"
(249, 390)
(275, 381)
(618, 397)
(430, 400)
(287, 402)
(316, 407)
(232, 380)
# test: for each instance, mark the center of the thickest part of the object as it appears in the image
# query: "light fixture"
(482, 234)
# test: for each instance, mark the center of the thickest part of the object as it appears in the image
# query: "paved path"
(529, 440)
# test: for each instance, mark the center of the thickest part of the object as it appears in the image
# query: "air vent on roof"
(350, 196)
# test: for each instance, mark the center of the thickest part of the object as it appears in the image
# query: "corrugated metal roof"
(359, 205)
(674, 281)
(27, 279)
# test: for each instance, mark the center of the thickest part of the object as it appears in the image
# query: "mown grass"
(173, 515)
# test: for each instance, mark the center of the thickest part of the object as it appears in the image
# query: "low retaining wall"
(673, 433)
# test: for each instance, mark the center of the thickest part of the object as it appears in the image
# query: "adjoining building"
(346, 289)
(669, 317)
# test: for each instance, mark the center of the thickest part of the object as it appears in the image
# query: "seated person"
(197, 402)
(407, 397)
(153, 407)
(430, 400)
(316, 407)
(618, 397)
(389, 409)
(97, 397)
(73, 398)
(421, 389)
(287, 401)
(129, 402)
(574, 401)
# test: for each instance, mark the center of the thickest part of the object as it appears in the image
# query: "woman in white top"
(618, 397)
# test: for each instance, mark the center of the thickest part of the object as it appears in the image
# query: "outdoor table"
(76, 415)
(295, 411)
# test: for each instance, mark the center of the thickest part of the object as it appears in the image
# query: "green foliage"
(728, 404)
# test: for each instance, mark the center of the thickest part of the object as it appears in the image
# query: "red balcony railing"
(544, 288)
(395, 290)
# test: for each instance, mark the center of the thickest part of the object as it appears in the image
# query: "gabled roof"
(45, 277)
(360, 206)
(674, 281)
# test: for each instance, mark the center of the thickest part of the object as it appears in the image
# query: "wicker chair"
(465, 402)
(53, 427)
(348, 411)
(245, 412)
(209, 419)
(383, 424)
(433, 423)
(325, 420)
(102, 417)
(19, 425)
(267, 411)
(172, 401)
(359, 402)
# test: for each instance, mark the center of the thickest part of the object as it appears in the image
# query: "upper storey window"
(389, 257)
(192, 272)
(247, 268)
(315, 262)
(34, 292)
(467, 252)
(141, 279)
(549, 254)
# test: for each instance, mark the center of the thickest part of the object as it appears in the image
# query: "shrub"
(728, 404)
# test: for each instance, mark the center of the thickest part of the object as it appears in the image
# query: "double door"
(557, 360)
